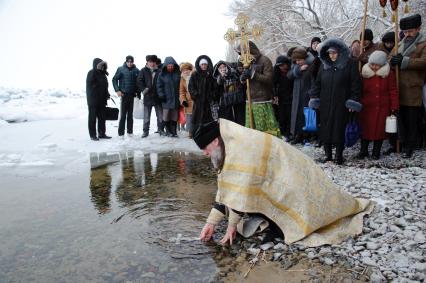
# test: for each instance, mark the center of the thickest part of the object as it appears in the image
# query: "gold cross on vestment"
(244, 34)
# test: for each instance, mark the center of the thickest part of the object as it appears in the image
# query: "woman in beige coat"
(184, 96)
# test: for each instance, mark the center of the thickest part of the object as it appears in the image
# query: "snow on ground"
(36, 127)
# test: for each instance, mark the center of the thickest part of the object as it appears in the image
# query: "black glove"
(246, 75)
(185, 103)
(138, 95)
(396, 60)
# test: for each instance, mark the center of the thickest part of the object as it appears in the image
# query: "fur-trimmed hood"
(383, 72)
(216, 68)
(210, 64)
(343, 50)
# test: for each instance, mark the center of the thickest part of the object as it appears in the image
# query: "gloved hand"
(396, 60)
(246, 75)
(185, 103)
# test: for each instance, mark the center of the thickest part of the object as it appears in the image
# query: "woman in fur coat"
(379, 99)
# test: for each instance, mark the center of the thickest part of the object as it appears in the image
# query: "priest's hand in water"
(207, 232)
(231, 233)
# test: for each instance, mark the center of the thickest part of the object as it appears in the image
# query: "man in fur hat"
(411, 59)
(262, 177)
(146, 82)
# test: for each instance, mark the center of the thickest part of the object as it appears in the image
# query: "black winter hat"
(389, 37)
(368, 35)
(130, 58)
(315, 39)
(206, 133)
(152, 58)
(282, 59)
(410, 22)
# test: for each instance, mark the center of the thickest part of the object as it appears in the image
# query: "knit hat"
(206, 133)
(282, 59)
(388, 37)
(299, 53)
(203, 61)
(368, 35)
(315, 39)
(410, 22)
(378, 57)
(152, 58)
(332, 49)
(130, 58)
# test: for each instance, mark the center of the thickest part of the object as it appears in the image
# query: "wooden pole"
(398, 148)
(364, 23)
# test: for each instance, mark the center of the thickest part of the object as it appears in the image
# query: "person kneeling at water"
(259, 174)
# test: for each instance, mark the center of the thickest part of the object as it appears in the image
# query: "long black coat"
(145, 81)
(168, 85)
(97, 85)
(302, 83)
(336, 82)
(204, 90)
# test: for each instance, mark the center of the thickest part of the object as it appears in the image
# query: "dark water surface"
(122, 217)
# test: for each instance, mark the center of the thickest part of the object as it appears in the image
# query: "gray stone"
(267, 246)
(277, 256)
(420, 266)
(368, 261)
(419, 237)
(253, 251)
(279, 246)
(328, 261)
(377, 277)
(372, 246)
(311, 255)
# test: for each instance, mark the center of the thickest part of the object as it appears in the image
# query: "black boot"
(145, 134)
(327, 151)
(339, 154)
(173, 129)
(364, 149)
(167, 128)
(408, 152)
(377, 146)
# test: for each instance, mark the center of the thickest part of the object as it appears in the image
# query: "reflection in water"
(100, 183)
(170, 194)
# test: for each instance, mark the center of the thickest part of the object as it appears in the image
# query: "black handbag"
(111, 113)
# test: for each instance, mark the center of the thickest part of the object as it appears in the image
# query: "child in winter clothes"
(379, 99)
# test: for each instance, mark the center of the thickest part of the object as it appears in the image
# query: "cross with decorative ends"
(244, 34)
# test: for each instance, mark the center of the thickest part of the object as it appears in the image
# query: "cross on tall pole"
(244, 34)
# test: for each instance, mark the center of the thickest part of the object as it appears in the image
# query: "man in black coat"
(97, 96)
(147, 80)
(283, 93)
(203, 89)
(124, 82)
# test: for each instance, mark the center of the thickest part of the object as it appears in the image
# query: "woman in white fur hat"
(379, 99)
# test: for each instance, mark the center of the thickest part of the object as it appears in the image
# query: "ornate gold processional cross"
(244, 34)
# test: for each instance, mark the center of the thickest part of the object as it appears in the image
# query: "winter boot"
(145, 134)
(339, 154)
(167, 126)
(408, 152)
(328, 153)
(364, 149)
(377, 146)
(173, 129)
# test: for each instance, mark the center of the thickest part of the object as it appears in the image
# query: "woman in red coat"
(379, 100)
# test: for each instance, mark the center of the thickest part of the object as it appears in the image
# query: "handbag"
(391, 125)
(181, 118)
(310, 120)
(111, 113)
(138, 108)
(352, 132)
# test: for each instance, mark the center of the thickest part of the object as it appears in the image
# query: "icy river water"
(108, 217)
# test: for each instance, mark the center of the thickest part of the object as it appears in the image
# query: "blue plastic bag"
(310, 120)
(352, 133)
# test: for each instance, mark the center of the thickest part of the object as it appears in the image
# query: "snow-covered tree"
(288, 23)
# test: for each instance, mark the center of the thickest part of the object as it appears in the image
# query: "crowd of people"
(339, 82)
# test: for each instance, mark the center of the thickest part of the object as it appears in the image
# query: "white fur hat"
(378, 57)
